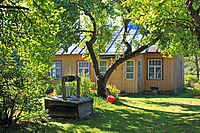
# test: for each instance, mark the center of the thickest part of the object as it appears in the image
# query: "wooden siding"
(118, 78)
(178, 79)
(166, 83)
(170, 72)
(69, 65)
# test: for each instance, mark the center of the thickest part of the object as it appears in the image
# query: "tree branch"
(14, 7)
(90, 43)
(195, 16)
(128, 46)
(121, 60)
(1, 1)
(86, 31)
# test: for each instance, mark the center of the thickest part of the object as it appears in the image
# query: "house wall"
(118, 78)
(170, 78)
(178, 75)
(140, 82)
(69, 65)
(166, 83)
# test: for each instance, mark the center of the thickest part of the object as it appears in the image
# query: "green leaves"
(170, 20)
(27, 44)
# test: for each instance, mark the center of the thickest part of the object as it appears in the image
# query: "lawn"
(133, 113)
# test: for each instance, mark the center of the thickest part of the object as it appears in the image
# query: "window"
(103, 66)
(129, 69)
(56, 70)
(83, 68)
(154, 69)
(139, 69)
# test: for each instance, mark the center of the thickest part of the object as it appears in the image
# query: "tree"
(27, 41)
(94, 24)
(176, 21)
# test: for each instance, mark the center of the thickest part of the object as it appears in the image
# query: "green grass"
(134, 113)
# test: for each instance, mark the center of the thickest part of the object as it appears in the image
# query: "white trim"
(86, 66)
(53, 71)
(139, 71)
(133, 73)
(157, 65)
(102, 73)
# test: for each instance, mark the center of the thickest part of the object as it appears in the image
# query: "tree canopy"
(177, 23)
(27, 41)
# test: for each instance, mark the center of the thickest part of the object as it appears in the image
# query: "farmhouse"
(148, 69)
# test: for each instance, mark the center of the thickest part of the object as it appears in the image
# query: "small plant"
(190, 79)
(86, 87)
(196, 89)
(113, 90)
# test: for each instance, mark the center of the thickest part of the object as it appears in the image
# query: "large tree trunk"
(197, 66)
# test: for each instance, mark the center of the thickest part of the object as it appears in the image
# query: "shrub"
(196, 88)
(86, 87)
(113, 90)
(22, 86)
(189, 79)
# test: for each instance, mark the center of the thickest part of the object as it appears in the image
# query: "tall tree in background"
(27, 41)
(176, 21)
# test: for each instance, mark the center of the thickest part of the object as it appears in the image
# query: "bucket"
(110, 99)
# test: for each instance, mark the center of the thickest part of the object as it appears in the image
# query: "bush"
(22, 86)
(113, 90)
(189, 79)
(86, 87)
(196, 89)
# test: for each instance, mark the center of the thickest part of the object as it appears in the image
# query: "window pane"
(103, 63)
(151, 73)
(86, 71)
(155, 69)
(129, 75)
(80, 64)
(129, 69)
(57, 64)
(129, 63)
(158, 72)
(86, 64)
(56, 70)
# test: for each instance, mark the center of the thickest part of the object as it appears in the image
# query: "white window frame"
(84, 67)
(139, 69)
(155, 66)
(103, 67)
(53, 71)
(133, 72)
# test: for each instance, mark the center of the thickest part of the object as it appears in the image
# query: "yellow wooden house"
(148, 69)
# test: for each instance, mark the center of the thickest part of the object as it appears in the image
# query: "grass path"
(142, 114)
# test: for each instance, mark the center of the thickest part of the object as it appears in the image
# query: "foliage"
(172, 114)
(196, 88)
(97, 22)
(86, 87)
(190, 79)
(114, 90)
(27, 41)
(170, 21)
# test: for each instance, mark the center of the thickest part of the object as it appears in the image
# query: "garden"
(132, 113)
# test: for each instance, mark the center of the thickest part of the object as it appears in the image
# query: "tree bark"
(197, 66)
(192, 12)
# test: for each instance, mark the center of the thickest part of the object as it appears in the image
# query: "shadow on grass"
(124, 118)
(136, 119)
(29, 127)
